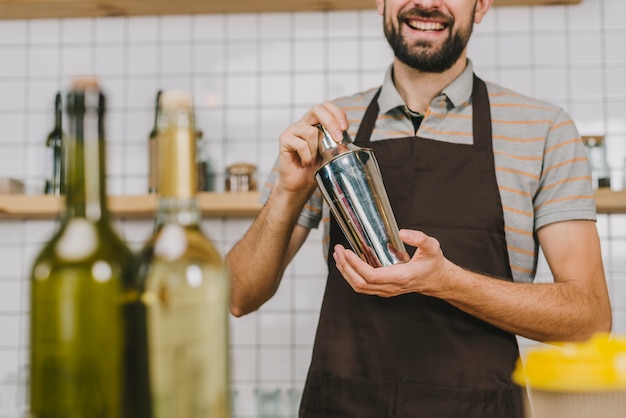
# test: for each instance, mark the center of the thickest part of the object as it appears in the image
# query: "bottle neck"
(176, 167)
(157, 111)
(56, 184)
(57, 115)
(85, 175)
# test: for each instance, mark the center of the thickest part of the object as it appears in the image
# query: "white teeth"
(425, 26)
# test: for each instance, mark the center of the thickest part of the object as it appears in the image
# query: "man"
(478, 177)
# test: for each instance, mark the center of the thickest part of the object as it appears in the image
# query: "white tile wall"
(252, 75)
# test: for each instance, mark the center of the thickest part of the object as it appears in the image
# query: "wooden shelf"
(232, 205)
(609, 201)
(143, 206)
(40, 9)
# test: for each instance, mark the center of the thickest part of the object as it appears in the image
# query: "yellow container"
(575, 380)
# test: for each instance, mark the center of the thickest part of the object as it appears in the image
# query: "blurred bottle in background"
(184, 287)
(55, 160)
(596, 152)
(79, 283)
(153, 149)
(206, 175)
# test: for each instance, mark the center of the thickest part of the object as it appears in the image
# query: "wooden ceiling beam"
(47, 9)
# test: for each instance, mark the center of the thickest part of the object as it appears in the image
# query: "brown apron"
(414, 355)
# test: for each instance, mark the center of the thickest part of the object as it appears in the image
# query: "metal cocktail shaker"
(351, 184)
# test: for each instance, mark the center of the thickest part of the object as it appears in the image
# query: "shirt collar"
(457, 92)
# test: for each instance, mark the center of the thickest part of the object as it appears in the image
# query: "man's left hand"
(425, 272)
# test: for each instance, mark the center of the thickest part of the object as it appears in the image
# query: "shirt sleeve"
(565, 190)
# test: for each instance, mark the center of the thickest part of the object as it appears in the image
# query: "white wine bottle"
(185, 291)
(79, 283)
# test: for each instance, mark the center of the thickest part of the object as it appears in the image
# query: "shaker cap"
(329, 149)
(326, 140)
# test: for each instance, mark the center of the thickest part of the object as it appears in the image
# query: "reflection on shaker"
(240, 177)
(351, 183)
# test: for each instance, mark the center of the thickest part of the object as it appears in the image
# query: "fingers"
(299, 157)
(359, 275)
(301, 139)
(329, 115)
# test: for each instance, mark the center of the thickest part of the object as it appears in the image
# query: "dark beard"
(419, 56)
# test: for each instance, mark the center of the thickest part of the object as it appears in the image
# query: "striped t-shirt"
(541, 166)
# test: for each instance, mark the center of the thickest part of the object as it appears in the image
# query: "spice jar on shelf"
(240, 177)
(596, 152)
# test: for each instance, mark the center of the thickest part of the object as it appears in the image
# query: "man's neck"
(418, 88)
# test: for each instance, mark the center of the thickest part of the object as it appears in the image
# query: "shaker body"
(352, 186)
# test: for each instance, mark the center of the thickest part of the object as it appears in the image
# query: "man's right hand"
(298, 156)
(258, 261)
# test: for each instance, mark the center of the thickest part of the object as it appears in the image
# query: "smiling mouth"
(425, 26)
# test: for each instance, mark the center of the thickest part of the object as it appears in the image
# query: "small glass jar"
(240, 177)
(624, 175)
(600, 169)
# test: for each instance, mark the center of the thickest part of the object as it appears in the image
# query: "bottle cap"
(176, 99)
(598, 364)
(241, 169)
(85, 82)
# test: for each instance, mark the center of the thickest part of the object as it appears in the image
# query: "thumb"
(413, 238)
(425, 244)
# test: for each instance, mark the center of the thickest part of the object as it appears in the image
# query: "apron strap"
(481, 120)
(369, 120)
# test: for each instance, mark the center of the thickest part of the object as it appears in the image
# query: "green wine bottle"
(55, 184)
(79, 284)
(185, 291)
